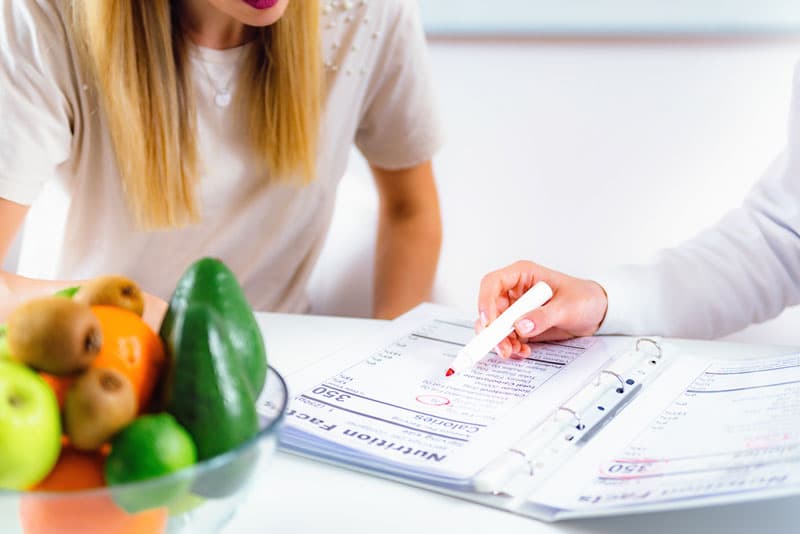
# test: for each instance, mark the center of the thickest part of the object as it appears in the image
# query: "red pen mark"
(449, 372)
(433, 400)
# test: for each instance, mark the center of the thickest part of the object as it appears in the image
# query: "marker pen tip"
(449, 372)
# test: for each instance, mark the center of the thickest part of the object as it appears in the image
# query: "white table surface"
(304, 496)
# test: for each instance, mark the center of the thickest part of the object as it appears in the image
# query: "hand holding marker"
(500, 328)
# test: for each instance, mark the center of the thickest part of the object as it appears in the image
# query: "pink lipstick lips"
(261, 4)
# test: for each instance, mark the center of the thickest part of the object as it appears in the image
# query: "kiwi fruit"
(100, 403)
(55, 335)
(115, 291)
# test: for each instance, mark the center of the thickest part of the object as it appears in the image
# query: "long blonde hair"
(136, 53)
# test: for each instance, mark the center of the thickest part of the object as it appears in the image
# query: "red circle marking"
(433, 400)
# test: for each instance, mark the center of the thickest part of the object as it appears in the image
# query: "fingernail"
(498, 351)
(484, 319)
(525, 326)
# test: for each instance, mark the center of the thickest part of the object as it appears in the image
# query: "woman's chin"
(257, 13)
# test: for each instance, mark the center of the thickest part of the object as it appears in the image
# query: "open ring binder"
(548, 445)
(580, 428)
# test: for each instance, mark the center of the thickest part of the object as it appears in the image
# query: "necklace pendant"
(223, 99)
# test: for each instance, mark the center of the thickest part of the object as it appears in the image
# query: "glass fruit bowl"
(196, 500)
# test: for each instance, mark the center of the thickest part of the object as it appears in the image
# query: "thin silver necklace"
(222, 96)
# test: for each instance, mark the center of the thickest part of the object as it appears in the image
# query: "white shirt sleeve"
(399, 126)
(743, 270)
(35, 129)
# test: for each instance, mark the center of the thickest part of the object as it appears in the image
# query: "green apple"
(30, 427)
(4, 354)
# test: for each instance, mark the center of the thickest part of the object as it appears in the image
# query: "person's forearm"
(745, 269)
(407, 254)
(15, 289)
(6, 297)
(409, 238)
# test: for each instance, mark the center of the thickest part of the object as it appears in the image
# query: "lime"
(150, 447)
(67, 292)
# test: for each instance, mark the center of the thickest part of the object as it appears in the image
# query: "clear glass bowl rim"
(188, 473)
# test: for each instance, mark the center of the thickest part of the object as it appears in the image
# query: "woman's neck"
(206, 26)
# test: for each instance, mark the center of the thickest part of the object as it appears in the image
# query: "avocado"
(206, 387)
(209, 281)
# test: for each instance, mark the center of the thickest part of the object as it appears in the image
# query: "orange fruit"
(60, 385)
(86, 514)
(130, 346)
(74, 471)
(81, 512)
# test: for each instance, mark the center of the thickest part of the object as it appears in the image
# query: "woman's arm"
(12, 287)
(11, 216)
(409, 238)
(743, 270)
(15, 289)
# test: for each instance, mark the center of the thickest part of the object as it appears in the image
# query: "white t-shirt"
(56, 154)
(743, 270)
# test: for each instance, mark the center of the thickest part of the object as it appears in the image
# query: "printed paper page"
(396, 405)
(734, 429)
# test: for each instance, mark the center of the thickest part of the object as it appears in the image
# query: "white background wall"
(602, 16)
(579, 155)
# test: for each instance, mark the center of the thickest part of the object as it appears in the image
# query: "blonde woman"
(138, 136)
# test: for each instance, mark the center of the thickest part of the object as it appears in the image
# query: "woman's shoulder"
(357, 32)
(35, 40)
(33, 13)
(33, 26)
(373, 16)
(393, 8)
(394, 15)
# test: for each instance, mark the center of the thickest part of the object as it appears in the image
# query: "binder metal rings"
(621, 388)
(577, 417)
(526, 458)
(654, 343)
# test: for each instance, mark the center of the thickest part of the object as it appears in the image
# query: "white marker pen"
(500, 328)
